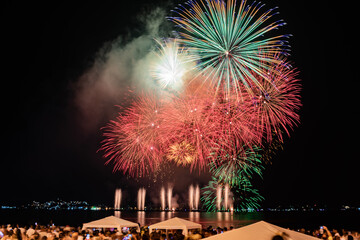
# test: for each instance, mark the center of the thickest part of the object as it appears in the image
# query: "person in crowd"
(74, 236)
(344, 235)
(155, 235)
(325, 234)
(30, 231)
(7, 235)
(337, 236)
(277, 237)
(70, 233)
(35, 236)
(16, 234)
(179, 235)
(196, 235)
(356, 235)
(146, 236)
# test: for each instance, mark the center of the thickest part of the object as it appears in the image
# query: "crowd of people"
(69, 233)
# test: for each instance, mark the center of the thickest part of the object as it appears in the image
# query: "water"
(294, 220)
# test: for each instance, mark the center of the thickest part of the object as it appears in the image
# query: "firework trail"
(270, 149)
(226, 39)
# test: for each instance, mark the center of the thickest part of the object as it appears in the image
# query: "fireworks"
(189, 119)
(234, 168)
(181, 153)
(278, 103)
(131, 141)
(170, 68)
(242, 197)
(222, 46)
(237, 165)
(226, 39)
(236, 120)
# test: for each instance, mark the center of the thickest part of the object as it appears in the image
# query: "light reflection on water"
(141, 218)
(216, 219)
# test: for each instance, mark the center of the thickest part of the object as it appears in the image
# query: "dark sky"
(48, 153)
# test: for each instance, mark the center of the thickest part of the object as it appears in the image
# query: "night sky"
(49, 144)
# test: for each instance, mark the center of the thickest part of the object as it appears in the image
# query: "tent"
(110, 222)
(261, 230)
(175, 224)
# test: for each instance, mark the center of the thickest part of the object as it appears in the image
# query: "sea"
(295, 220)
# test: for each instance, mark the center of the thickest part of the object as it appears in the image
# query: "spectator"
(195, 236)
(326, 234)
(277, 237)
(30, 231)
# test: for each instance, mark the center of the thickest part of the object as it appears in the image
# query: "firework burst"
(237, 165)
(279, 101)
(243, 196)
(181, 153)
(228, 87)
(131, 141)
(171, 66)
(236, 120)
(226, 39)
(189, 120)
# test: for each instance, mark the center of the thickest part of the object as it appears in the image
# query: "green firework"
(227, 40)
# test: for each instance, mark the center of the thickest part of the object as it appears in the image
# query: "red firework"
(237, 120)
(188, 118)
(132, 140)
(277, 104)
(209, 123)
(198, 125)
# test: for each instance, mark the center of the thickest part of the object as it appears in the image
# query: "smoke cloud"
(118, 67)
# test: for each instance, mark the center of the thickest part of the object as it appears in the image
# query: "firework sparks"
(189, 119)
(237, 165)
(181, 153)
(278, 103)
(243, 197)
(225, 39)
(228, 89)
(131, 141)
(171, 66)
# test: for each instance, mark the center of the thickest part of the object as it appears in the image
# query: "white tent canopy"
(261, 230)
(175, 224)
(110, 222)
